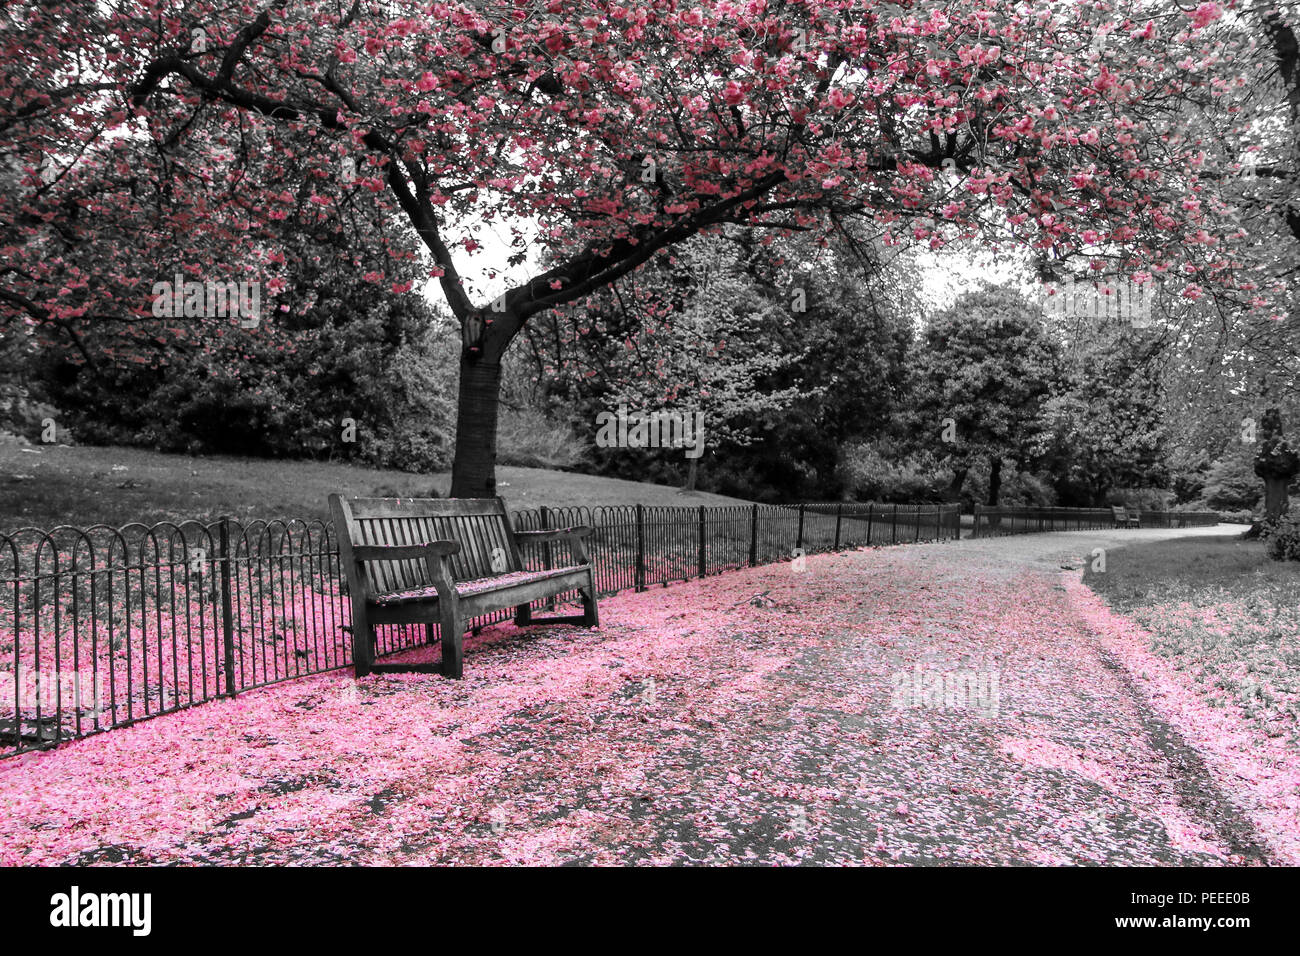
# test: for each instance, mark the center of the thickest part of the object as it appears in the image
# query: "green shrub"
(871, 475)
(1282, 538)
(1019, 489)
(1022, 489)
(24, 416)
(1231, 482)
(354, 376)
(527, 438)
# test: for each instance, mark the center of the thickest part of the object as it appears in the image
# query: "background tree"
(982, 375)
(1230, 482)
(1107, 421)
(818, 357)
(850, 338)
(703, 342)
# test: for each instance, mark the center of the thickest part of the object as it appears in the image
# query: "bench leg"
(428, 634)
(524, 615)
(453, 644)
(590, 612)
(363, 643)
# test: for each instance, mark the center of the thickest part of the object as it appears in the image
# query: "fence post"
(871, 513)
(975, 528)
(798, 544)
(893, 527)
(917, 536)
(704, 560)
(227, 618)
(753, 538)
(640, 547)
(839, 519)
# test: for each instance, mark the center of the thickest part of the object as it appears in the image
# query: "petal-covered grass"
(1258, 771)
(1212, 628)
(768, 716)
(1223, 612)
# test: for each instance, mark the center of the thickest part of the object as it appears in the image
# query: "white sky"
(948, 272)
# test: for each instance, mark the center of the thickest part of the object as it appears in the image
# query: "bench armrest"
(575, 537)
(404, 552)
(434, 555)
(554, 534)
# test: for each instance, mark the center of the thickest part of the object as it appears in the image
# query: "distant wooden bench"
(1125, 518)
(445, 561)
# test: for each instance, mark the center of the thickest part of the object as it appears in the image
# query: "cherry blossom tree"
(598, 132)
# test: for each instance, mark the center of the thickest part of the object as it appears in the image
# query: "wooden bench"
(1125, 518)
(444, 561)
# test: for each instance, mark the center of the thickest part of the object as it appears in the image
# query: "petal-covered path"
(964, 702)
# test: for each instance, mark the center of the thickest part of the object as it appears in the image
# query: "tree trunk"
(1276, 500)
(692, 472)
(1277, 461)
(473, 473)
(958, 479)
(995, 480)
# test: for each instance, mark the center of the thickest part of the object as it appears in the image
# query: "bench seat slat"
(498, 582)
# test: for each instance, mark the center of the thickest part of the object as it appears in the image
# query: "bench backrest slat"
(480, 526)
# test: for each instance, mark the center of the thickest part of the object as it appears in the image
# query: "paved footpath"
(964, 702)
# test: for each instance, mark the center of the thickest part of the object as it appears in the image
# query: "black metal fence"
(102, 627)
(990, 522)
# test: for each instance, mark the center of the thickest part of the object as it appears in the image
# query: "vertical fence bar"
(640, 547)
(839, 520)
(893, 527)
(799, 538)
(704, 560)
(753, 537)
(546, 551)
(227, 620)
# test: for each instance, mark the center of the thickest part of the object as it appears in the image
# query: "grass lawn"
(1222, 610)
(43, 486)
